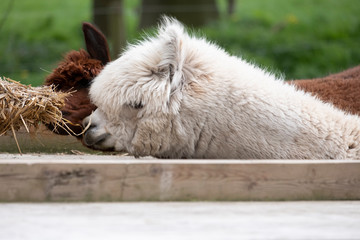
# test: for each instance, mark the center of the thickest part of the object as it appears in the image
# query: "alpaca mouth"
(91, 140)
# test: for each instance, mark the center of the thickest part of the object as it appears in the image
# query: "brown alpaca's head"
(75, 73)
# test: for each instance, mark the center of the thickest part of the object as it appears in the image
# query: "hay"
(27, 106)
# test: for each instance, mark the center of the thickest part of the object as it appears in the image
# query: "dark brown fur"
(341, 89)
(75, 73)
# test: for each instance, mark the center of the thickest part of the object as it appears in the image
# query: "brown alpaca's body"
(341, 89)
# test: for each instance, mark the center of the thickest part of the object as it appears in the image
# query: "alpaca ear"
(173, 36)
(96, 43)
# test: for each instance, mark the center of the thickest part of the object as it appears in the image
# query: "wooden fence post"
(108, 16)
(190, 12)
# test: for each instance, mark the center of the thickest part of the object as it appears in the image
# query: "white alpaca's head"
(145, 76)
(142, 89)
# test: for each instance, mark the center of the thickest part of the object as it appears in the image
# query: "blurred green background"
(298, 38)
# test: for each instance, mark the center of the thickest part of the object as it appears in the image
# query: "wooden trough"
(39, 178)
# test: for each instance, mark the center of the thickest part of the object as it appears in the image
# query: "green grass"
(300, 38)
(37, 33)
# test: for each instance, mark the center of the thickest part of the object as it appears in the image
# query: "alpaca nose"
(90, 139)
(92, 135)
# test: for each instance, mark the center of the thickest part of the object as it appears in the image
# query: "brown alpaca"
(75, 73)
(78, 68)
(341, 89)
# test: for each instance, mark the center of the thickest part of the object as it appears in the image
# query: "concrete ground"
(181, 220)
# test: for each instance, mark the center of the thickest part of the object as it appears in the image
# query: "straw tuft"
(27, 106)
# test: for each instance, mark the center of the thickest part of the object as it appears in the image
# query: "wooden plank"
(114, 178)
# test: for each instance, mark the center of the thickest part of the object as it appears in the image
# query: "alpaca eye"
(136, 105)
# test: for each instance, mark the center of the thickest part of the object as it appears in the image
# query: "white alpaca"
(178, 96)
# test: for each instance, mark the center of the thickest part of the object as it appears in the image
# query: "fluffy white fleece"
(178, 96)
